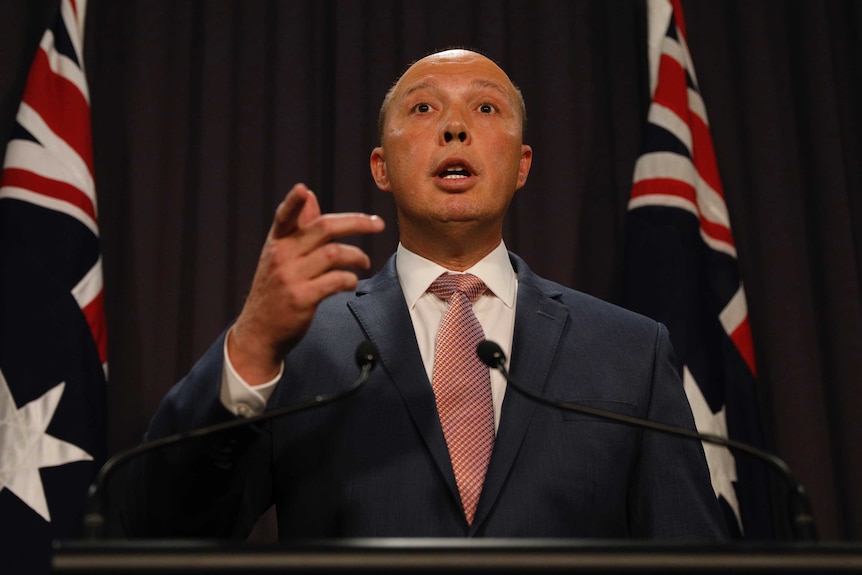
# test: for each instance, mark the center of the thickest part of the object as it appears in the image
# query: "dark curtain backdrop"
(206, 112)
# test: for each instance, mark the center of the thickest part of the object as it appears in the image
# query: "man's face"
(451, 147)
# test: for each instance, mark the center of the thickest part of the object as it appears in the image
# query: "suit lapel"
(539, 322)
(382, 312)
(380, 309)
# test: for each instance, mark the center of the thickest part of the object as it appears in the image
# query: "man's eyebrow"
(477, 83)
(424, 85)
(483, 83)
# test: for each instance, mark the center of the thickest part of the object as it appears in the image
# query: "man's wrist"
(251, 362)
(238, 396)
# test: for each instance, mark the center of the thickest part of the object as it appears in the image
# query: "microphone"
(801, 518)
(94, 520)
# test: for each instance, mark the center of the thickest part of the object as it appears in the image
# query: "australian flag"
(53, 347)
(681, 269)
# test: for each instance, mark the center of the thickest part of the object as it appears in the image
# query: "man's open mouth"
(454, 172)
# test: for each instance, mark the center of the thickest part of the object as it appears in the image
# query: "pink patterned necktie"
(462, 386)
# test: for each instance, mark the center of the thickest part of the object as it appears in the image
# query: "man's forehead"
(474, 69)
(451, 56)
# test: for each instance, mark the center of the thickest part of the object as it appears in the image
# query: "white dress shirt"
(495, 310)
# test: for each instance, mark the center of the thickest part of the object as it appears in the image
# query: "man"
(396, 459)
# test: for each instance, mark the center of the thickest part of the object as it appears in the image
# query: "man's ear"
(378, 169)
(524, 165)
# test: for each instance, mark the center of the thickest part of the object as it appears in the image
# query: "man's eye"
(422, 108)
(486, 108)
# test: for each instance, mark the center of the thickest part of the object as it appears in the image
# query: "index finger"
(330, 226)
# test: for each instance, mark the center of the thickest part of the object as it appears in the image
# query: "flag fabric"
(681, 269)
(53, 350)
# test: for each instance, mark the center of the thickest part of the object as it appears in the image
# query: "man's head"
(384, 107)
(451, 150)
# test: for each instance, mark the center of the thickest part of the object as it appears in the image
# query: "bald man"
(423, 449)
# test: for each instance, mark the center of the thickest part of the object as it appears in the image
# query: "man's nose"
(455, 127)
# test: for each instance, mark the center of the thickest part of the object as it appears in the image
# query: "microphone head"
(490, 353)
(366, 355)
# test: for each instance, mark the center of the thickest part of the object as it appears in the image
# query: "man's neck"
(455, 254)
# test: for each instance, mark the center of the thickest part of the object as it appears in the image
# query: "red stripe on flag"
(95, 314)
(744, 342)
(704, 153)
(664, 187)
(59, 102)
(47, 187)
(677, 188)
(715, 230)
(671, 89)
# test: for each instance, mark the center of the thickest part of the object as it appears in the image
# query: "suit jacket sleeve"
(671, 489)
(199, 486)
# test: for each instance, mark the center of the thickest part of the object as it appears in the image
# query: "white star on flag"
(722, 465)
(27, 448)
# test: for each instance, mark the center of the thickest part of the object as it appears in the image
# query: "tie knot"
(468, 284)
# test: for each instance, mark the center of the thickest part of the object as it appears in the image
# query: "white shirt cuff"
(238, 396)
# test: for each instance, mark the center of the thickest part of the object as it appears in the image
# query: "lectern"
(447, 555)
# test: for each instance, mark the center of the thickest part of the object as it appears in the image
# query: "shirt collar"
(417, 273)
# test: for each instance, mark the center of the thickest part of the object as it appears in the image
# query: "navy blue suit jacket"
(376, 464)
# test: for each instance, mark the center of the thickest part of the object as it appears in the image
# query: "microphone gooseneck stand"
(94, 519)
(801, 518)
